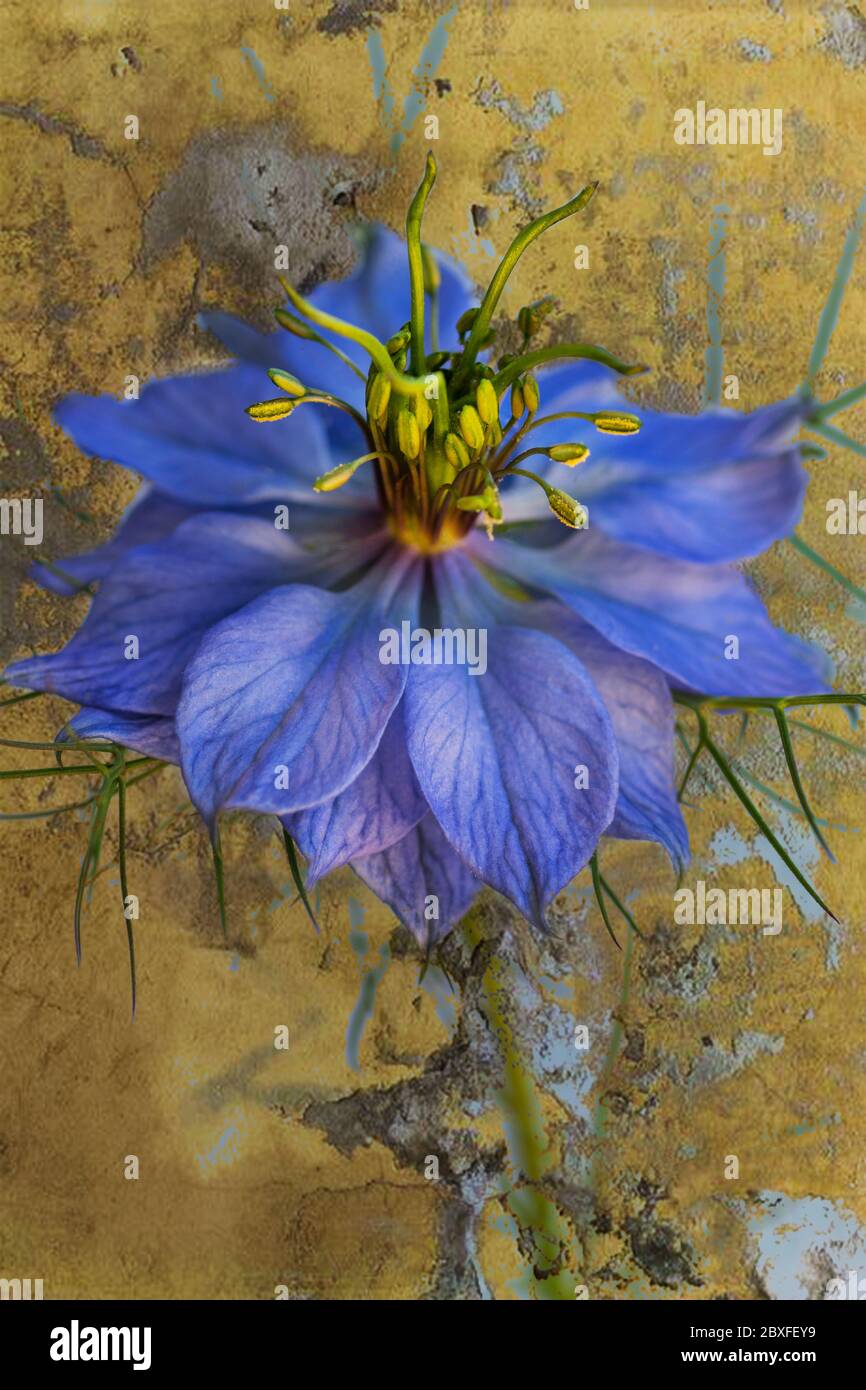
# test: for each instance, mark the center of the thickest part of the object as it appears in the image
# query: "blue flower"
(258, 662)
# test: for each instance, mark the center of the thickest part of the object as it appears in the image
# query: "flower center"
(443, 429)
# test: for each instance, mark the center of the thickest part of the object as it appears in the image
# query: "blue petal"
(191, 437)
(292, 690)
(638, 700)
(152, 735)
(712, 487)
(152, 516)
(422, 880)
(166, 595)
(149, 517)
(380, 807)
(679, 616)
(496, 753)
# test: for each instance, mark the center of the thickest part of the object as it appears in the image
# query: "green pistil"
(481, 323)
(406, 385)
(519, 365)
(416, 265)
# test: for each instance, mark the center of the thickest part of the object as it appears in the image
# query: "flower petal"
(191, 437)
(717, 486)
(496, 753)
(379, 808)
(638, 700)
(152, 735)
(679, 616)
(422, 880)
(150, 516)
(285, 703)
(165, 596)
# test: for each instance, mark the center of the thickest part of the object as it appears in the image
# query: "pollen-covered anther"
(337, 477)
(487, 401)
(263, 411)
(471, 427)
(531, 394)
(423, 413)
(408, 434)
(380, 395)
(569, 454)
(286, 382)
(532, 316)
(615, 422)
(466, 320)
(567, 509)
(455, 451)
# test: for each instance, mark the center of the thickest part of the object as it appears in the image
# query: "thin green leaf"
(844, 441)
(812, 555)
(219, 877)
(617, 904)
(690, 769)
(825, 733)
(830, 312)
(297, 877)
(843, 402)
(17, 699)
(90, 862)
(12, 773)
(794, 771)
(124, 891)
(599, 897)
(743, 796)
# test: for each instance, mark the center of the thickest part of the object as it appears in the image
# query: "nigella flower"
(295, 672)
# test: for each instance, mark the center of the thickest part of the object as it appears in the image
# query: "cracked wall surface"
(308, 1170)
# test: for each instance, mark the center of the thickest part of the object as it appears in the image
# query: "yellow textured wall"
(262, 1168)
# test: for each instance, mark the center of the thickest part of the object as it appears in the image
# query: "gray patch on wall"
(238, 194)
(845, 38)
